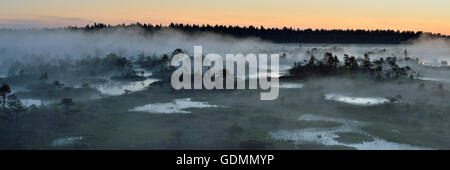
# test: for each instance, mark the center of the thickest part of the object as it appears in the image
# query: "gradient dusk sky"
(416, 15)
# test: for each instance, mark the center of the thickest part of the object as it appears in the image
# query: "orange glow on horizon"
(403, 15)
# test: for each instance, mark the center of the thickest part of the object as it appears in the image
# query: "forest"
(279, 35)
(379, 69)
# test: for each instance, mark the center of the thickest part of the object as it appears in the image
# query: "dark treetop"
(277, 35)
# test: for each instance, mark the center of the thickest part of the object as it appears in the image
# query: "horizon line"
(213, 25)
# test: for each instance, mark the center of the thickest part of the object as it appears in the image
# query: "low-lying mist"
(111, 89)
(428, 50)
(40, 46)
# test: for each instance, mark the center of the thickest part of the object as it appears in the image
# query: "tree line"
(278, 35)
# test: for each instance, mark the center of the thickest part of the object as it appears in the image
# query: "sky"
(415, 15)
